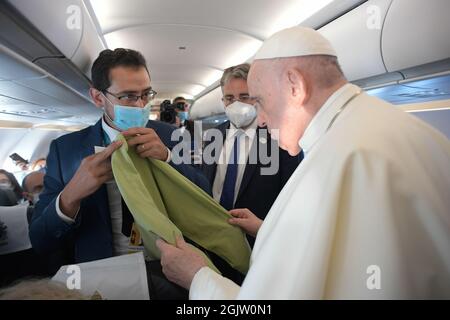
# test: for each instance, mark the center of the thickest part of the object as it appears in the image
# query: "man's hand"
(93, 171)
(22, 165)
(246, 220)
(147, 143)
(180, 263)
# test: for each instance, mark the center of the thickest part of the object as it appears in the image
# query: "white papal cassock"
(366, 215)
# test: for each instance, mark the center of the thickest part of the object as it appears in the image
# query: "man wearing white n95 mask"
(237, 179)
(365, 216)
(237, 175)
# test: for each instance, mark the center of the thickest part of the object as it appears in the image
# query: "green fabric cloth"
(166, 204)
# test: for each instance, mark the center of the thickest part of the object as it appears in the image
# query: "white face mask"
(6, 186)
(240, 114)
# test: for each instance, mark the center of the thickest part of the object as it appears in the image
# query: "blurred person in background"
(32, 186)
(9, 182)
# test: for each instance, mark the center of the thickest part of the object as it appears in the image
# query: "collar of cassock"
(321, 121)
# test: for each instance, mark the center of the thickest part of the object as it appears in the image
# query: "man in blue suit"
(81, 204)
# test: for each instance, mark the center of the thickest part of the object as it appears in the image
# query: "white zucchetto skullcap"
(295, 42)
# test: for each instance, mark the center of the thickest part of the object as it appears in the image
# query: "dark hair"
(24, 181)
(109, 59)
(17, 189)
(178, 98)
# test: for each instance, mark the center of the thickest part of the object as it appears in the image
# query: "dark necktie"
(229, 184)
(127, 219)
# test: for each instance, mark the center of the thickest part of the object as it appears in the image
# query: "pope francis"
(366, 215)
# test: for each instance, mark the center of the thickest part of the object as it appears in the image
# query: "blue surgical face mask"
(183, 115)
(129, 117)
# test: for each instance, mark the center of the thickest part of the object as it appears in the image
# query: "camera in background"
(169, 111)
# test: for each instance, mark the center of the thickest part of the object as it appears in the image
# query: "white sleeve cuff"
(169, 155)
(209, 285)
(64, 218)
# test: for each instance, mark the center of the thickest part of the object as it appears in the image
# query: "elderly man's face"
(274, 104)
(259, 85)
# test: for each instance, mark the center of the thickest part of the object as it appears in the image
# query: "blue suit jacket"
(91, 233)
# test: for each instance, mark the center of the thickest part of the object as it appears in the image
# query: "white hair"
(323, 70)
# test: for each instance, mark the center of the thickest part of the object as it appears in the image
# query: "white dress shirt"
(245, 144)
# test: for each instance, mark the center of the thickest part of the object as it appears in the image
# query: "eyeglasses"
(245, 98)
(132, 98)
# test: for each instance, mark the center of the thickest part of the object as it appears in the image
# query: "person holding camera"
(176, 113)
(182, 109)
